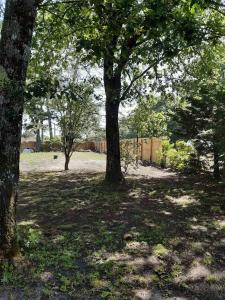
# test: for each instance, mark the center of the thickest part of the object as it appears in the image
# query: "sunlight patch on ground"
(119, 257)
(143, 294)
(220, 224)
(183, 201)
(27, 223)
(198, 228)
(139, 247)
(198, 272)
(167, 213)
(140, 262)
(46, 276)
(135, 194)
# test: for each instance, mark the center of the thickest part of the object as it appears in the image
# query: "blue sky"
(2, 2)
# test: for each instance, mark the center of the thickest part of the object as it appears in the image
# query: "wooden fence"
(147, 149)
(28, 144)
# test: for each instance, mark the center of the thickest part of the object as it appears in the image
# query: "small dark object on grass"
(55, 156)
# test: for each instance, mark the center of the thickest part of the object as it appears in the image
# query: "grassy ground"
(44, 161)
(151, 239)
(49, 155)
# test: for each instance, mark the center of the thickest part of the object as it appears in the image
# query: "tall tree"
(127, 39)
(202, 118)
(15, 44)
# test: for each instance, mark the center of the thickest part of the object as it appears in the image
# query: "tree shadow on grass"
(153, 239)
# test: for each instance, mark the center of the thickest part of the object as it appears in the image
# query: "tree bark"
(112, 91)
(16, 36)
(68, 150)
(42, 132)
(50, 123)
(38, 141)
(67, 161)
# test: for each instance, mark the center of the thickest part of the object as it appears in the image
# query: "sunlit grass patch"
(34, 157)
(183, 201)
(160, 250)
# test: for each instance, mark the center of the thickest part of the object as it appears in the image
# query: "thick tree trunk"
(15, 46)
(113, 165)
(67, 161)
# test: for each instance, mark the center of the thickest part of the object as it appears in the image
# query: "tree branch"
(123, 97)
(126, 51)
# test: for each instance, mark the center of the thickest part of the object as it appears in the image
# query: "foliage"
(59, 75)
(129, 34)
(166, 147)
(29, 237)
(54, 144)
(149, 118)
(76, 113)
(202, 118)
(160, 250)
(129, 155)
(7, 273)
(128, 40)
(39, 92)
(177, 156)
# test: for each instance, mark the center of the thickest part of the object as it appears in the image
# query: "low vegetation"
(79, 238)
(177, 156)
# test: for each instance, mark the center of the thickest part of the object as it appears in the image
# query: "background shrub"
(176, 156)
(54, 145)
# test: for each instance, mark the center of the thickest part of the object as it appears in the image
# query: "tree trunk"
(16, 36)
(38, 141)
(42, 132)
(113, 165)
(68, 150)
(50, 123)
(67, 160)
(137, 149)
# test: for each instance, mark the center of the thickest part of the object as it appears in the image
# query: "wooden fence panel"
(146, 149)
(29, 144)
(156, 150)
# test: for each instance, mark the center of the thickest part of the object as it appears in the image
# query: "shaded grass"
(151, 238)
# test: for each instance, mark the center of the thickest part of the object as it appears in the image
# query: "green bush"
(176, 156)
(128, 156)
(53, 145)
(29, 237)
(166, 146)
